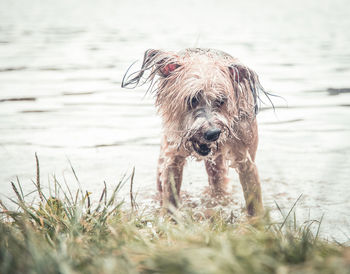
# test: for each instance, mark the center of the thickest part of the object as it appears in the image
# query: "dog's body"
(208, 101)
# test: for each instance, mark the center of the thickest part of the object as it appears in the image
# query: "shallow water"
(61, 65)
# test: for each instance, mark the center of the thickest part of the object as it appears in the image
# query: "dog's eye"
(220, 102)
(194, 102)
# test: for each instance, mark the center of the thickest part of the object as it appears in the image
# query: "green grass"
(65, 232)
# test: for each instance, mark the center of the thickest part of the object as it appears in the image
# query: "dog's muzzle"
(203, 148)
(212, 134)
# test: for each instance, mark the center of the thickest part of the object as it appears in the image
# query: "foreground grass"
(65, 233)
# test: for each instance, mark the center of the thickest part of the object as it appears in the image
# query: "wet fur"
(228, 96)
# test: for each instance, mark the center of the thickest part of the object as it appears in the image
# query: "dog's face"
(201, 95)
(197, 105)
(205, 123)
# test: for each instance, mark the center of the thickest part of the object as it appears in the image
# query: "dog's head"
(202, 95)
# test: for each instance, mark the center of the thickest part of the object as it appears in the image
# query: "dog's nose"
(212, 134)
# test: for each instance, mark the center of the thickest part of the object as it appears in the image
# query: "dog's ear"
(165, 63)
(155, 62)
(241, 75)
(166, 69)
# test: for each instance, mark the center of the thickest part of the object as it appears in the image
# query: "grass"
(65, 232)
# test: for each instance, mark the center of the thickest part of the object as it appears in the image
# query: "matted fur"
(199, 91)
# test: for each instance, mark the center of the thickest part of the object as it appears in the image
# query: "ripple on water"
(337, 91)
(18, 99)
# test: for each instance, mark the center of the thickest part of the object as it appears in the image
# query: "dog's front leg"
(249, 178)
(169, 177)
(217, 175)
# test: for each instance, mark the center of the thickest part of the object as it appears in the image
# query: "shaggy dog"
(208, 101)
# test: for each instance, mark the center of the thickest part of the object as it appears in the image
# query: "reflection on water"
(60, 96)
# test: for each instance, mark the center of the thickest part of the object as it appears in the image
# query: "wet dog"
(208, 101)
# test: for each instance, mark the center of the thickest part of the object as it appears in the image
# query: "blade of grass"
(318, 228)
(69, 191)
(76, 178)
(285, 219)
(20, 187)
(132, 201)
(16, 192)
(38, 177)
(279, 209)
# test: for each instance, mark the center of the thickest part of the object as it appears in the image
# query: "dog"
(208, 101)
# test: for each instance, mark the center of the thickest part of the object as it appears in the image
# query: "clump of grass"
(67, 233)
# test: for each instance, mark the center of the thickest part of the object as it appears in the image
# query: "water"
(67, 60)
